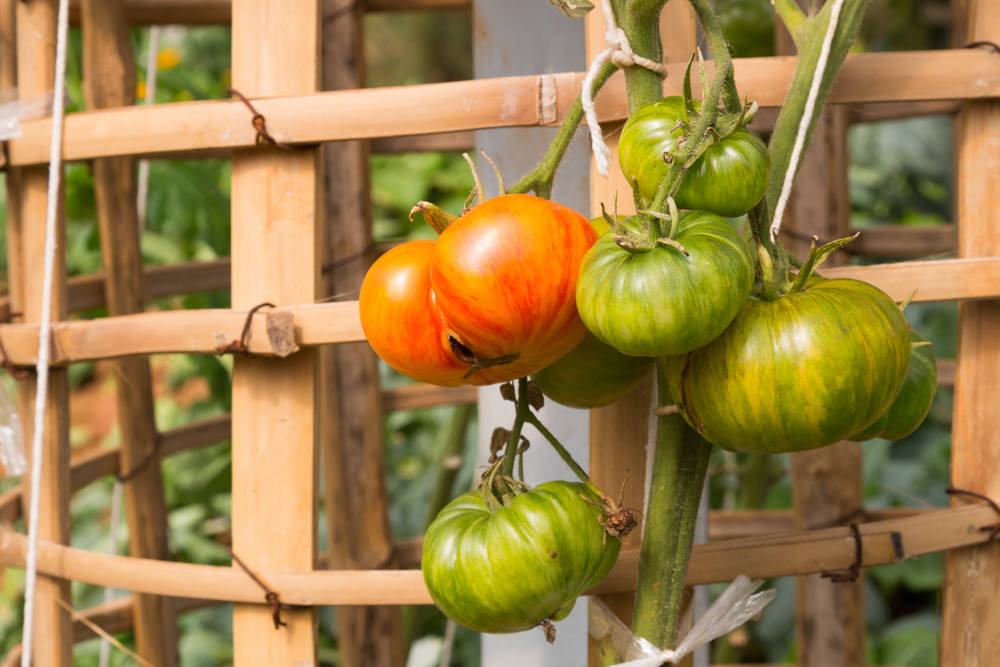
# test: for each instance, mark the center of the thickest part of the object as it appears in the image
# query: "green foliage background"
(900, 174)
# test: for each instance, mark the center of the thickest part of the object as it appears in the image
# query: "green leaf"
(575, 9)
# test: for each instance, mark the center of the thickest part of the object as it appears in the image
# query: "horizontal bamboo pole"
(160, 281)
(219, 12)
(166, 280)
(164, 129)
(892, 241)
(89, 467)
(785, 554)
(204, 331)
(443, 142)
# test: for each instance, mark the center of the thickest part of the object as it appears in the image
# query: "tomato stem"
(720, 51)
(679, 466)
(563, 453)
(523, 411)
(540, 179)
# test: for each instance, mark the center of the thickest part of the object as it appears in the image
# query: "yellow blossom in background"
(168, 58)
(140, 90)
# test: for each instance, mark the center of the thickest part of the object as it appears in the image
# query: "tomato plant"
(913, 402)
(508, 567)
(801, 371)
(729, 178)
(660, 301)
(491, 300)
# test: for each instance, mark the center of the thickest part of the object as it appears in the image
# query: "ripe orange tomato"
(493, 299)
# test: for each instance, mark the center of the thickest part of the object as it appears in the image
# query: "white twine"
(737, 605)
(109, 593)
(620, 52)
(45, 329)
(142, 187)
(807, 112)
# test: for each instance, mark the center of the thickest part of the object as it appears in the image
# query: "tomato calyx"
(476, 361)
(773, 281)
(433, 215)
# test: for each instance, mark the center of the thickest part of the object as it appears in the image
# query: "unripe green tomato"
(729, 178)
(592, 374)
(661, 302)
(508, 569)
(913, 402)
(802, 371)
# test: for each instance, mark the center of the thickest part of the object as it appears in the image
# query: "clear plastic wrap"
(737, 605)
(11, 438)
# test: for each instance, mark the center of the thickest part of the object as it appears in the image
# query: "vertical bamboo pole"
(36, 31)
(971, 631)
(619, 432)
(275, 211)
(109, 81)
(354, 452)
(826, 483)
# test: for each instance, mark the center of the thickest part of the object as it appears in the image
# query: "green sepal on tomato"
(510, 567)
(914, 400)
(801, 371)
(728, 179)
(660, 301)
(491, 300)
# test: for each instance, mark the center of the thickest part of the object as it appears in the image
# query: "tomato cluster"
(757, 360)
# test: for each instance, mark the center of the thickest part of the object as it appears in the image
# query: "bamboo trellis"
(283, 339)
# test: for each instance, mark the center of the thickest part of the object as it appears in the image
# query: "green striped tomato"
(729, 178)
(510, 568)
(802, 371)
(913, 403)
(660, 302)
(592, 374)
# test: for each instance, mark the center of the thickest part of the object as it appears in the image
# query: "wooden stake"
(275, 218)
(36, 29)
(826, 482)
(971, 623)
(619, 432)
(351, 422)
(109, 81)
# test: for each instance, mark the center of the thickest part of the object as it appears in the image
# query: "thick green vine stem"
(679, 466)
(720, 52)
(809, 39)
(640, 20)
(540, 179)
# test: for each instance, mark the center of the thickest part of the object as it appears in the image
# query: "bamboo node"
(854, 571)
(17, 372)
(994, 528)
(240, 346)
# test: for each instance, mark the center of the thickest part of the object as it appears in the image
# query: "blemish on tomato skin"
(554, 555)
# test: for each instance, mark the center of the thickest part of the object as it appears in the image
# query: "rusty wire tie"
(144, 463)
(260, 124)
(993, 46)
(854, 571)
(240, 346)
(17, 372)
(270, 596)
(994, 528)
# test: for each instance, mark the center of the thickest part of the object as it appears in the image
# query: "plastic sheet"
(737, 605)
(11, 438)
(14, 110)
